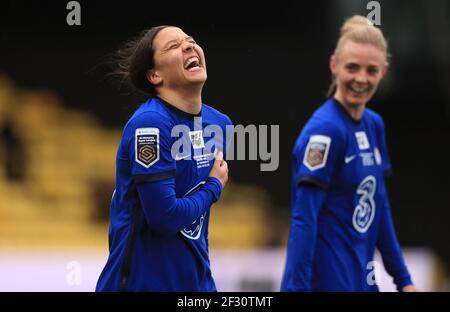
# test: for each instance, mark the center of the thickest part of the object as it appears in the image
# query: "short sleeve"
(149, 148)
(315, 155)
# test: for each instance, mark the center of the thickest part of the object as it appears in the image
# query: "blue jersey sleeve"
(149, 144)
(302, 238)
(390, 250)
(167, 214)
(316, 153)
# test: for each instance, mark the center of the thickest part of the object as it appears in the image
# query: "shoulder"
(326, 120)
(218, 116)
(324, 126)
(376, 118)
(149, 116)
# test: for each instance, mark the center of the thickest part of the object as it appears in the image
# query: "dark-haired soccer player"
(158, 238)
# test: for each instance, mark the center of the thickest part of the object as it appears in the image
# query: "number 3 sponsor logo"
(365, 210)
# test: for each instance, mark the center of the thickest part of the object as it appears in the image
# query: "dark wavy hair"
(134, 59)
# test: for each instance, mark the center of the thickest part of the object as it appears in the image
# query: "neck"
(189, 102)
(355, 111)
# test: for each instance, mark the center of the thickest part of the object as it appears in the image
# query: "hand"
(220, 169)
(410, 288)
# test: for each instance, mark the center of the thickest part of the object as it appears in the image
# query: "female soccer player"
(340, 209)
(158, 237)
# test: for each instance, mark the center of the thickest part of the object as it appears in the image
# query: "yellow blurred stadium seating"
(69, 178)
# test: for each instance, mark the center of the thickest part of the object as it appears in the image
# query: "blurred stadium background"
(61, 118)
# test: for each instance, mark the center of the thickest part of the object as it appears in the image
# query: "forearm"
(302, 239)
(166, 213)
(390, 250)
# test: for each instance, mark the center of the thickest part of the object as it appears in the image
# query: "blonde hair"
(360, 30)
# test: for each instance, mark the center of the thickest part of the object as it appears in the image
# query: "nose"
(361, 77)
(188, 46)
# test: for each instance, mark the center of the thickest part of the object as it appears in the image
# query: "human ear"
(154, 77)
(384, 70)
(333, 65)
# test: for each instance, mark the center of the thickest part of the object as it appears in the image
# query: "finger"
(218, 163)
(224, 165)
(219, 156)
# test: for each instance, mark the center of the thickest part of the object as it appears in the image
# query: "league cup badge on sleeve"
(316, 153)
(147, 146)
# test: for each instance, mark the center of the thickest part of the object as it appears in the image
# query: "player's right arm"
(302, 238)
(315, 154)
(153, 170)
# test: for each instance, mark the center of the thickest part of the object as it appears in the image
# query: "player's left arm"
(389, 247)
(387, 242)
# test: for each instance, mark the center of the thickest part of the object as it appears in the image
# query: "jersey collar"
(341, 107)
(178, 111)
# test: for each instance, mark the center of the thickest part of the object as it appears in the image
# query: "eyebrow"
(357, 64)
(175, 40)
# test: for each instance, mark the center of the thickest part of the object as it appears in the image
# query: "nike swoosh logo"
(349, 159)
(180, 157)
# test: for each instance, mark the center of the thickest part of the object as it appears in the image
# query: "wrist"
(215, 186)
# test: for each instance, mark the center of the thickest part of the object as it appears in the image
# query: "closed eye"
(173, 45)
(190, 40)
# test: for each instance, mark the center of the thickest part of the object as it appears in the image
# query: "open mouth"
(358, 89)
(192, 63)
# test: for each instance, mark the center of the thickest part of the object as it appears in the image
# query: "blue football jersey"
(348, 159)
(160, 142)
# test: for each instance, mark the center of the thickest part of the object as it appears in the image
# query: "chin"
(356, 102)
(198, 79)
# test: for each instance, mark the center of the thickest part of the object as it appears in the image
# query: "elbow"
(302, 224)
(162, 227)
(162, 223)
(165, 220)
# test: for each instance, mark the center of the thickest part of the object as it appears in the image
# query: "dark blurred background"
(267, 64)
